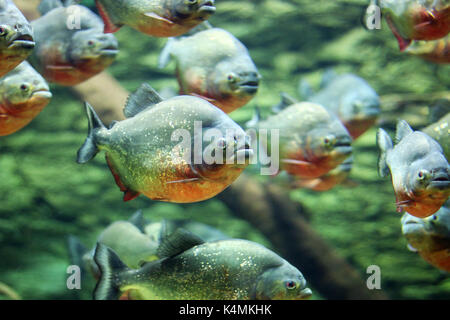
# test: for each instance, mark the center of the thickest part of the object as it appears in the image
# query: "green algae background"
(45, 195)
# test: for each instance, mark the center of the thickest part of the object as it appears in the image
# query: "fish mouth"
(42, 93)
(109, 52)
(207, 8)
(440, 181)
(23, 41)
(242, 155)
(305, 293)
(249, 86)
(343, 147)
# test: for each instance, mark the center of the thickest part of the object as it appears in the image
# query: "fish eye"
(290, 284)
(90, 43)
(222, 144)
(329, 141)
(3, 31)
(231, 78)
(434, 218)
(24, 87)
(423, 174)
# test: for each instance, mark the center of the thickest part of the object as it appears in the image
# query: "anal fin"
(128, 193)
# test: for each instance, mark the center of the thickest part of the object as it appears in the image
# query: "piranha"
(350, 97)
(146, 156)
(16, 37)
(212, 64)
(189, 268)
(69, 54)
(126, 238)
(416, 19)
(440, 131)
(158, 18)
(312, 140)
(23, 95)
(337, 176)
(430, 237)
(418, 167)
(437, 51)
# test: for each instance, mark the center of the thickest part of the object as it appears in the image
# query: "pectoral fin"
(158, 17)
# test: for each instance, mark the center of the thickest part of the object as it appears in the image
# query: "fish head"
(192, 11)
(16, 34)
(315, 141)
(93, 44)
(427, 184)
(359, 110)
(225, 151)
(236, 77)
(328, 144)
(283, 282)
(428, 234)
(22, 89)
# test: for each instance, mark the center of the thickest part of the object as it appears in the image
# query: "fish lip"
(109, 52)
(43, 93)
(243, 153)
(22, 40)
(207, 7)
(438, 184)
(440, 181)
(343, 148)
(305, 293)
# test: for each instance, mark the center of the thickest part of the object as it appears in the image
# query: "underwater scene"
(224, 150)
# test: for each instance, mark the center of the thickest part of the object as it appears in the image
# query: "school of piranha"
(141, 259)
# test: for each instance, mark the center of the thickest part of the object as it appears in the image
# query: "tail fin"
(89, 149)
(76, 252)
(385, 144)
(109, 264)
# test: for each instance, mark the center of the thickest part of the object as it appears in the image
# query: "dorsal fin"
(137, 219)
(286, 101)
(403, 130)
(48, 5)
(144, 97)
(178, 242)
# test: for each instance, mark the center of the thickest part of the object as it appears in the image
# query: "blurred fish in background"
(16, 37)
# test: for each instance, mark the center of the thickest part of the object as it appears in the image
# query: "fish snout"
(440, 180)
(249, 82)
(305, 294)
(207, 7)
(21, 40)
